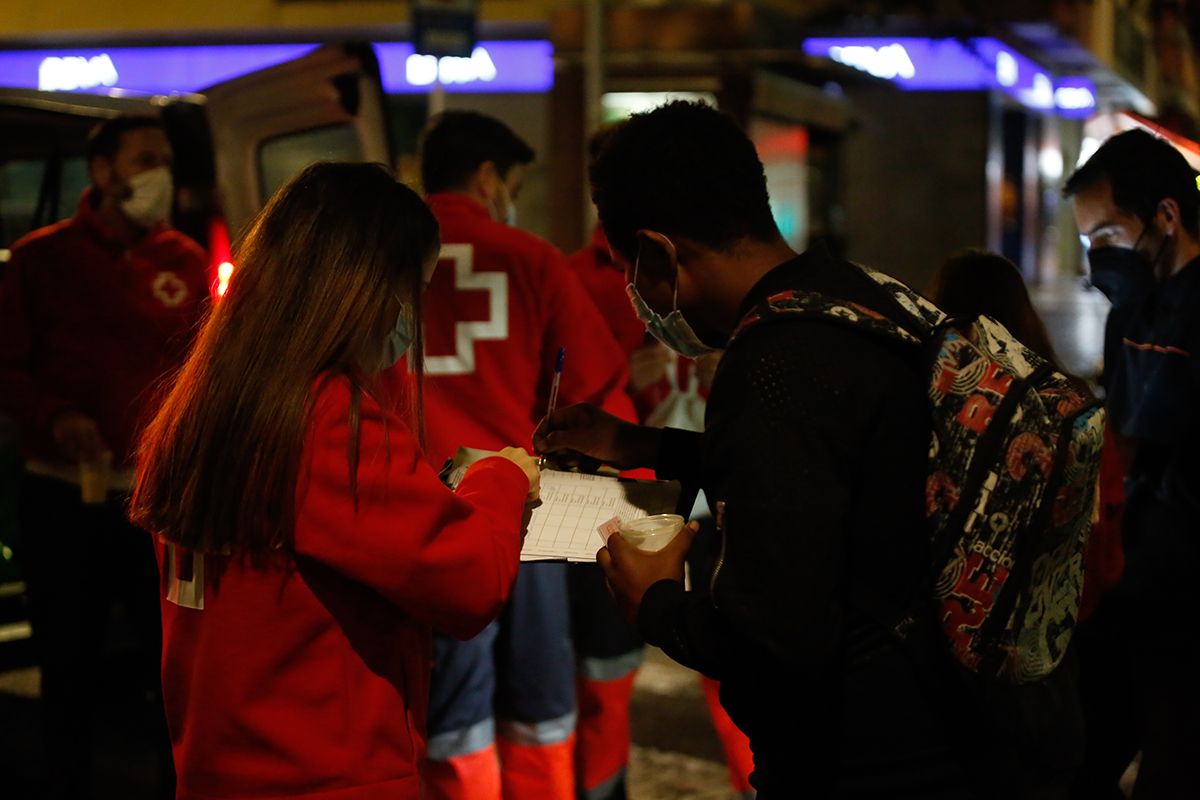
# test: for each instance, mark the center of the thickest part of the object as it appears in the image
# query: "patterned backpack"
(1012, 484)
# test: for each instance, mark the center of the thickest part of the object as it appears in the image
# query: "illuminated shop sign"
(889, 61)
(526, 66)
(149, 70)
(912, 63)
(72, 73)
(1075, 96)
(976, 64)
(517, 66)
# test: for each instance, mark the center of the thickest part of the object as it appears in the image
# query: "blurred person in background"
(1136, 202)
(306, 547)
(93, 311)
(501, 305)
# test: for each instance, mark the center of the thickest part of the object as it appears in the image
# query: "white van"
(235, 142)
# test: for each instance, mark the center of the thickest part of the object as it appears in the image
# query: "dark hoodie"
(1153, 384)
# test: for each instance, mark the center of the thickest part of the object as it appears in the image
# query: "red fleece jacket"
(90, 325)
(500, 305)
(307, 676)
(605, 283)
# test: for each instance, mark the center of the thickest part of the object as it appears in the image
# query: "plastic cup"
(95, 476)
(652, 533)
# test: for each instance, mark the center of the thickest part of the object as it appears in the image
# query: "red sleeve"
(605, 285)
(448, 560)
(20, 395)
(596, 369)
(1105, 558)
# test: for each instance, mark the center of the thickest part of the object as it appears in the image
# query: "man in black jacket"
(1136, 201)
(814, 455)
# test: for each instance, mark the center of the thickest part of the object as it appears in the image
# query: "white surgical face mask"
(672, 330)
(152, 193)
(399, 339)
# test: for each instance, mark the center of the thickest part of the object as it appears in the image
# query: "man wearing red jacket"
(93, 311)
(500, 306)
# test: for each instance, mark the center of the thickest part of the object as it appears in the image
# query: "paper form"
(574, 505)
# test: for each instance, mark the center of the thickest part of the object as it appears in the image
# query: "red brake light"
(220, 261)
(224, 273)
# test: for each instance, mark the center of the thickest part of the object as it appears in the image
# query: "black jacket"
(1153, 389)
(816, 442)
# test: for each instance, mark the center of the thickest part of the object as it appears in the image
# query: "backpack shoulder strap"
(924, 316)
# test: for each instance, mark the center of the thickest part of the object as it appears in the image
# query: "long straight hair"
(322, 271)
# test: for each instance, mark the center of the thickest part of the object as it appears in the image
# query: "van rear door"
(268, 125)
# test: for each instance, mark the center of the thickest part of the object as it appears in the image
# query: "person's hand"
(77, 436)
(631, 571)
(584, 430)
(525, 461)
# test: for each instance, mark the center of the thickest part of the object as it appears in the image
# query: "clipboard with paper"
(574, 506)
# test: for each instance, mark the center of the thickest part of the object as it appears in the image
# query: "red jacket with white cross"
(501, 303)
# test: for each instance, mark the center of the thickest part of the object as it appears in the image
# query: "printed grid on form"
(573, 506)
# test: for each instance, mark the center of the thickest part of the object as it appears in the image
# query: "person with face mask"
(813, 458)
(608, 650)
(94, 310)
(297, 615)
(1137, 203)
(501, 305)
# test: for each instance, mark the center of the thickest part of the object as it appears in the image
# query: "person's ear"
(488, 180)
(658, 260)
(100, 172)
(1168, 215)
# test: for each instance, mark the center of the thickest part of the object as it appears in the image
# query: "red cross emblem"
(170, 290)
(470, 307)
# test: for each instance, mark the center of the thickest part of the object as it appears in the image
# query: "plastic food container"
(652, 533)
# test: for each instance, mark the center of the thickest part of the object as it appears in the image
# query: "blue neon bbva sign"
(150, 70)
(499, 66)
(912, 63)
(1075, 96)
(976, 64)
(519, 66)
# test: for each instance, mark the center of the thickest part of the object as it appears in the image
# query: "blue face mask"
(398, 341)
(672, 330)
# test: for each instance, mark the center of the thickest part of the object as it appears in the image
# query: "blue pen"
(558, 368)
